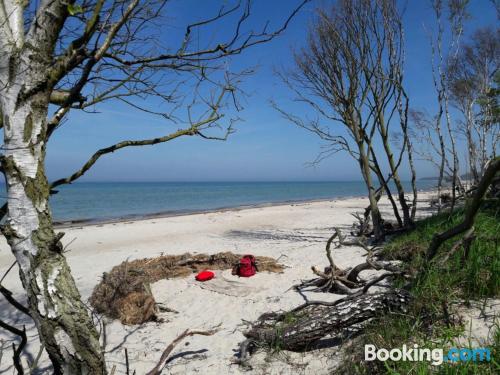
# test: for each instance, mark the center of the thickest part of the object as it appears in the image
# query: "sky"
(265, 147)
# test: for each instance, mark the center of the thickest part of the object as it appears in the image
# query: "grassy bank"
(459, 275)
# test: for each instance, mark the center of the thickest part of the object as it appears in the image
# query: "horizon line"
(225, 181)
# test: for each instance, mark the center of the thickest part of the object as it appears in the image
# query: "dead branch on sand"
(166, 353)
(346, 281)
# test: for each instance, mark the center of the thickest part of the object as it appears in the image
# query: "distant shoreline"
(167, 214)
(176, 213)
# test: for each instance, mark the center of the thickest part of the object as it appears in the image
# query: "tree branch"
(221, 49)
(19, 349)
(162, 362)
(470, 213)
(193, 129)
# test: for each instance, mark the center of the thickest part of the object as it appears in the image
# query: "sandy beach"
(295, 234)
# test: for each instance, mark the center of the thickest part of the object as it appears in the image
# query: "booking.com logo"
(435, 356)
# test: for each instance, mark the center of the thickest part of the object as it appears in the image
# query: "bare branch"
(193, 129)
(17, 351)
(166, 353)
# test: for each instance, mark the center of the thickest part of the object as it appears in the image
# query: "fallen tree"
(300, 328)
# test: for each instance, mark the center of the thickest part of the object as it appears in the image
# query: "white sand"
(294, 233)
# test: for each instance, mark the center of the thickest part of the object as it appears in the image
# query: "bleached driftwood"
(300, 328)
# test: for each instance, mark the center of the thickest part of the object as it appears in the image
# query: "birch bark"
(64, 325)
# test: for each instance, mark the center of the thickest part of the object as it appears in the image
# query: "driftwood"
(166, 353)
(345, 281)
(300, 328)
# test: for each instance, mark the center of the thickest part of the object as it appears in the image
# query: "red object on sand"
(247, 266)
(205, 275)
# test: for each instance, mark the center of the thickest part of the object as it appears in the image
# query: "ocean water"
(99, 201)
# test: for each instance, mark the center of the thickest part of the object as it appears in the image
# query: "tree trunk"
(384, 184)
(301, 328)
(397, 181)
(456, 167)
(413, 180)
(64, 325)
(394, 171)
(364, 162)
(471, 145)
(441, 172)
(472, 208)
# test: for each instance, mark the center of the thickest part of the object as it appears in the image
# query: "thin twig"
(8, 296)
(126, 362)
(161, 363)
(7, 272)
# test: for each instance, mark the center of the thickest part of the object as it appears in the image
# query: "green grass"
(429, 319)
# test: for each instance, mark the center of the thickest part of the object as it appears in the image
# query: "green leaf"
(74, 9)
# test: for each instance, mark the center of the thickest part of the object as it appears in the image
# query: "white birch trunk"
(64, 325)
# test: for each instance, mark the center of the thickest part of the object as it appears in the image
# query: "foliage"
(429, 320)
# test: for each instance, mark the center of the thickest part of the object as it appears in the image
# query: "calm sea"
(105, 200)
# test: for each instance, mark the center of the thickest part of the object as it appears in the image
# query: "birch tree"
(58, 57)
(443, 151)
(351, 75)
(473, 78)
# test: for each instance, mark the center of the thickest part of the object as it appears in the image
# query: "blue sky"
(265, 147)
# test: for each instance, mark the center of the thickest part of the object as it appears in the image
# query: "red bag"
(246, 267)
(205, 275)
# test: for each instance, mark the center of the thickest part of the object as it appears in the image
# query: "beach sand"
(293, 233)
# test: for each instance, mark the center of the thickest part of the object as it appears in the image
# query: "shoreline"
(177, 213)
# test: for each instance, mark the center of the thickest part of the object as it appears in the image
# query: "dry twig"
(166, 353)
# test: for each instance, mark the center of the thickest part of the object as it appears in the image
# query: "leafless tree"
(445, 154)
(431, 143)
(472, 76)
(351, 74)
(76, 55)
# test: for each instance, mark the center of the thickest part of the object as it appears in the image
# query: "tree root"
(363, 227)
(346, 281)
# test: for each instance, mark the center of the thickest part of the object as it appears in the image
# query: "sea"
(108, 201)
